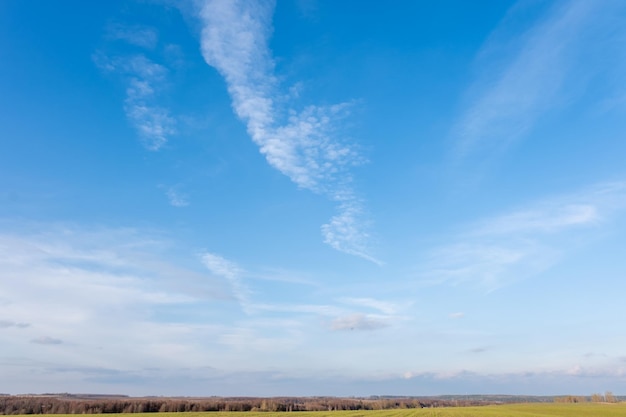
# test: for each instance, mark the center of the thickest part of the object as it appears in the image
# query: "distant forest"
(100, 404)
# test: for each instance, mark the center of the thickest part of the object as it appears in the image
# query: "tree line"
(48, 404)
(608, 397)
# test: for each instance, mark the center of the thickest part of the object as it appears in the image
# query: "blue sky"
(312, 197)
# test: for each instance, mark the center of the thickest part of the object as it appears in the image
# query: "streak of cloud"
(314, 309)
(588, 207)
(144, 80)
(224, 268)
(382, 306)
(523, 79)
(79, 288)
(508, 107)
(525, 242)
(301, 144)
(345, 232)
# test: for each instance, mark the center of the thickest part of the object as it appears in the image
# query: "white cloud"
(145, 79)
(359, 321)
(81, 289)
(546, 219)
(220, 266)
(316, 309)
(232, 272)
(153, 123)
(588, 207)
(299, 143)
(382, 306)
(457, 315)
(522, 79)
(522, 243)
(64, 265)
(284, 276)
(345, 308)
(175, 198)
(345, 231)
(342, 316)
(489, 265)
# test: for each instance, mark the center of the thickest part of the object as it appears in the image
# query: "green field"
(508, 410)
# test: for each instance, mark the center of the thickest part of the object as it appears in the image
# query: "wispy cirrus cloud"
(347, 314)
(384, 307)
(300, 142)
(346, 231)
(588, 207)
(176, 198)
(547, 218)
(524, 78)
(524, 242)
(229, 270)
(487, 264)
(80, 287)
(145, 80)
(313, 309)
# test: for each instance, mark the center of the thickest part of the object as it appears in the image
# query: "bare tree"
(609, 397)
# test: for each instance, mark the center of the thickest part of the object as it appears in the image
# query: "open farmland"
(507, 410)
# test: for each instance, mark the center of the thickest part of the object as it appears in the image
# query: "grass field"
(508, 410)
